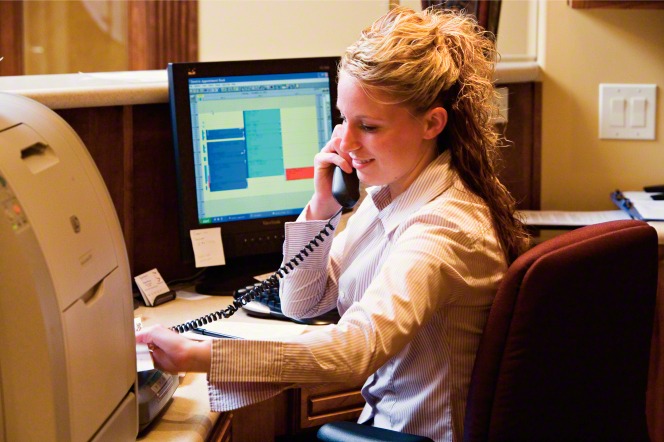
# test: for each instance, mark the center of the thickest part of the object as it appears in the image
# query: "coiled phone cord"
(266, 284)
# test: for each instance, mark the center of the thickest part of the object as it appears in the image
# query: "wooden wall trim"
(616, 4)
(128, 180)
(11, 37)
(536, 177)
(161, 32)
(138, 38)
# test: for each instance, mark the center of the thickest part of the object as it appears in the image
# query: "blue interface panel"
(254, 140)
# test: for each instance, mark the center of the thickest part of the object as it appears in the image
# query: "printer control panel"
(10, 207)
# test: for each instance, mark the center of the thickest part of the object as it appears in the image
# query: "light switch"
(638, 112)
(617, 115)
(627, 111)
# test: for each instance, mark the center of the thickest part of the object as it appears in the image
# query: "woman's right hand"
(173, 353)
(322, 204)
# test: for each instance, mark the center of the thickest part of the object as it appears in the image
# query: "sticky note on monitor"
(208, 248)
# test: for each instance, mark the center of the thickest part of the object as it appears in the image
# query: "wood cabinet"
(293, 414)
(222, 431)
(616, 4)
(318, 406)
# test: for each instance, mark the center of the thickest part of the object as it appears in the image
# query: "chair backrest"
(565, 351)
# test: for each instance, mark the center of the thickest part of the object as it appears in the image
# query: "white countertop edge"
(99, 96)
(66, 91)
(517, 72)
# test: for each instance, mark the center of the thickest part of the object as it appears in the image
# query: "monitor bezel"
(233, 232)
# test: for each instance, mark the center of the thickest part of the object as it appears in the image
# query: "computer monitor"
(245, 135)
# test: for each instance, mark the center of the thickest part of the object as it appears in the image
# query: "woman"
(415, 271)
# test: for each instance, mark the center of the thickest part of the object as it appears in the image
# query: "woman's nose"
(348, 142)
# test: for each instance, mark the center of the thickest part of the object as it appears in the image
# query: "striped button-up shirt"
(413, 279)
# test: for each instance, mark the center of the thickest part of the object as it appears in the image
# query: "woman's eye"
(366, 128)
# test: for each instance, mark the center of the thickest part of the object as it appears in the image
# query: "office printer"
(68, 359)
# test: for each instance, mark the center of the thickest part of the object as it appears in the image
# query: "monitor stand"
(238, 273)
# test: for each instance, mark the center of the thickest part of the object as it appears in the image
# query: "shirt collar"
(433, 181)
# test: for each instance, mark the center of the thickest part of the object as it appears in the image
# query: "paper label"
(208, 248)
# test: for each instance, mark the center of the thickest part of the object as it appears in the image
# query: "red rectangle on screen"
(299, 173)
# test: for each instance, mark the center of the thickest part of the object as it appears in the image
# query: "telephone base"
(155, 390)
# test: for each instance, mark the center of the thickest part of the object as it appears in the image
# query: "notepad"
(264, 329)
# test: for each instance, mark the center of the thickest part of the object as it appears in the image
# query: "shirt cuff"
(300, 234)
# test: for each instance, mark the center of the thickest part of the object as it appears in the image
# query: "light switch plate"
(627, 111)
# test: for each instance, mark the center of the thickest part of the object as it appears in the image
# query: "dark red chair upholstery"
(565, 352)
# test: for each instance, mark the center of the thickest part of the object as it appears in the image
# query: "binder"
(639, 205)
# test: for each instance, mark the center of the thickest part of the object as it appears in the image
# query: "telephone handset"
(346, 190)
(345, 187)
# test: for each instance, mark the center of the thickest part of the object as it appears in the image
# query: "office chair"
(565, 351)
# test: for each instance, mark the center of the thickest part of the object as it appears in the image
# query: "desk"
(188, 418)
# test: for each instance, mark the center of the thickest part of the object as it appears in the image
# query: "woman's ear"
(435, 120)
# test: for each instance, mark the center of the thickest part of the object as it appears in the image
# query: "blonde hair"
(443, 58)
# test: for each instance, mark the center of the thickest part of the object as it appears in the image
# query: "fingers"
(150, 334)
(324, 160)
(159, 337)
(332, 154)
(164, 362)
(166, 346)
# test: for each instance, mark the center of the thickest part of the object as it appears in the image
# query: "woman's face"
(385, 143)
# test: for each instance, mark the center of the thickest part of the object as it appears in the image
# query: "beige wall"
(253, 29)
(581, 49)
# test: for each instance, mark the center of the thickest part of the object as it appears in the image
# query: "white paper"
(151, 285)
(191, 296)
(635, 195)
(647, 207)
(143, 358)
(265, 330)
(565, 218)
(208, 248)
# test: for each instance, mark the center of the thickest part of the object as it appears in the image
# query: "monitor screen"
(245, 136)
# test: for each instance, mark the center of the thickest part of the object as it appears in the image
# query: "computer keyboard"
(268, 305)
